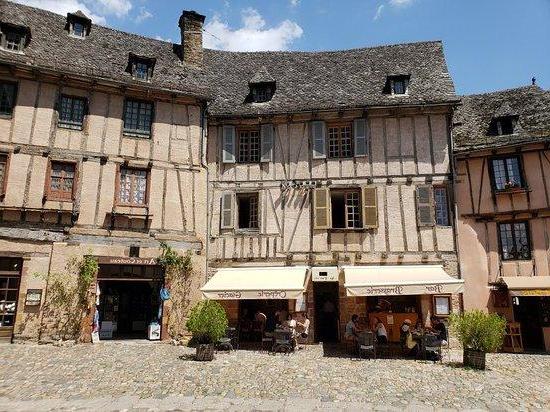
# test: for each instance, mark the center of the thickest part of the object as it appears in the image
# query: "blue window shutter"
(360, 137)
(318, 133)
(267, 136)
(228, 144)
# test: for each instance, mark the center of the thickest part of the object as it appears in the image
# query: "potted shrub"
(208, 324)
(479, 333)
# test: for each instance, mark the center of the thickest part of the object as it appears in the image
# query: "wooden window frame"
(340, 144)
(528, 235)
(137, 132)
(67, 124)
(442, 315)
(359, 211)
(522, 185)
(447, 204)
(238, 132)
(9, 115)
(4, 183)
(73, 29)
(118, 202)
(255, 195)
(50, 195)
(4, 41)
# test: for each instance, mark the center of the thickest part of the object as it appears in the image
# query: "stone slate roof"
(329, 80)
(306, 81)
(262, 76)
(531, 104)
(101, 55)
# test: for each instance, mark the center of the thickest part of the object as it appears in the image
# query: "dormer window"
(261, 93)
(78, 24)
(397, 85)
(14, 38)
(262, 87)
(502, 126)
(140, 67)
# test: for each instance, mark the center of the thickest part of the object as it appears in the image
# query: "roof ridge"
(502, 91)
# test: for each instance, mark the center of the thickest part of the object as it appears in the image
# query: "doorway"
(10, 278)
(129, 300)
(528, 312)
(326, 311)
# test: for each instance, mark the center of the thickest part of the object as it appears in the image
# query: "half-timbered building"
(330, 173)
(503, 199)
(100, 154)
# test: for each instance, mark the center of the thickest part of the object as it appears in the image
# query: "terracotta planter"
(205, 352)
(474, 359)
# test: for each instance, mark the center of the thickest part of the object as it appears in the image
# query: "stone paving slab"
(141, 377)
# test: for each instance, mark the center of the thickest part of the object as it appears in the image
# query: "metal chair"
(282, 342)
(366, 344)
(432, 347)
(233, 334)
(230, 341)
(267, 341)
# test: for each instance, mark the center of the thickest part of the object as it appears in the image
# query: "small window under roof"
(397, 84)
(14, 37)
(262, 87)
(140, 67)
(78, 24)
(504, 121)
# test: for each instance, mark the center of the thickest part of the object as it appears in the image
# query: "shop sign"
(530, 292)
(398, 290)
(114, 260)
(253, 294)
(34, 297)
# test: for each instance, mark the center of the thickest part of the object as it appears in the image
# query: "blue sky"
(489, 44)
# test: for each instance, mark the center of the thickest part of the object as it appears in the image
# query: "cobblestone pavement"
(126, 376)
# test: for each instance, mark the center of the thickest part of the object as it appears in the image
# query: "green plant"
(207, 322)
(172, 261)
(480, 331)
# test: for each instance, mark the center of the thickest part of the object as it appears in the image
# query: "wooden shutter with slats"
(370, 207)
(227, 210)
(228, 144)
(360, 137)
(425, 206)
(321, 204)
(318, 133)
(267, 137)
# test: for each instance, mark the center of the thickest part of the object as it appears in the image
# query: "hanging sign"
(34, 297)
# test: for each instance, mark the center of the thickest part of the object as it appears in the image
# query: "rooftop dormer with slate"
(262, 86)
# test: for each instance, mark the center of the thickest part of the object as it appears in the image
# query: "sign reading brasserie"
(385, 290)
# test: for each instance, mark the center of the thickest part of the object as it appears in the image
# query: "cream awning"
(400, 280)
(527, 285)
(286, 282)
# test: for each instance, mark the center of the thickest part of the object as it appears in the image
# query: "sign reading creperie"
(114, 260)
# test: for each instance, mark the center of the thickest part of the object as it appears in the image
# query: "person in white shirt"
(381, 333)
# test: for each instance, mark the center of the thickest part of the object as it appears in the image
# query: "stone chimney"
(191, 24)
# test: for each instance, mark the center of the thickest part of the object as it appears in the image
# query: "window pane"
(71, 111)
(133, 186)
(78, 29)
(141, 71)
(7, 98)
(138, 116)
(398, 87)
(249, 146)
(499, 174)
(62, 180)
(353, 210)
(507, 241)
(13, 41)
(340, 141)
(514, 176)
(441, 206)
(522, 241)
(3, 163)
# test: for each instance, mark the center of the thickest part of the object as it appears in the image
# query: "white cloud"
(64, 7)
(252, 36)
(401, 3)
(144, 14)
(119, 8)
(169, 40)
(378, 13)
(294, 3)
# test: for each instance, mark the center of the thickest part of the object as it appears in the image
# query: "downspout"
(204, 165)
(452, 165)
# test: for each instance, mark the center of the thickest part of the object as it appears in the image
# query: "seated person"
(440, 329)
(352, 328)
(409, 346)
(418, 328)
(381, 333)
(304, 324)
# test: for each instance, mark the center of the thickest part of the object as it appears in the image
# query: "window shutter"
(227, 208)
(425, 205)
(370, 207)
(267, 134)
(321, 201)
(228, 144)
(318, 132)
(360, 136)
